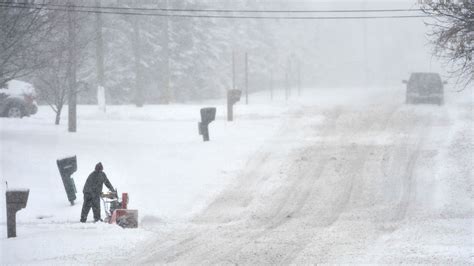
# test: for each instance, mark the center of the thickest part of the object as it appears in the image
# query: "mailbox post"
(207, 116)
(67, 167)
(16, 200)
(233, 96)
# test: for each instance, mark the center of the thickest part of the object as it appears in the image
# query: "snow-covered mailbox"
(16, 200)
(208, 115)
(233, 96)
(67, 167)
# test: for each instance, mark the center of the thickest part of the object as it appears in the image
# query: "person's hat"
(99, 167)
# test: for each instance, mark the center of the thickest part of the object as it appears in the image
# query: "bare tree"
(51, 80)
(52, 84)
(453, 35)
(21, 30)
(56, 81)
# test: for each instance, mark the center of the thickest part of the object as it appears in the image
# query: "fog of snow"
(340, 171)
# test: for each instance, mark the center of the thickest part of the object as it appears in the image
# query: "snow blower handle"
(109, 195)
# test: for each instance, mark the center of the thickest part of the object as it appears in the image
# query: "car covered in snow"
(425, 88)
(17, 99)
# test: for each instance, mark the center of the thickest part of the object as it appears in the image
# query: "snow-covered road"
(373, 183)
(335, 176)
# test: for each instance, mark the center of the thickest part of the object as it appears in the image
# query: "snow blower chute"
(117, 212)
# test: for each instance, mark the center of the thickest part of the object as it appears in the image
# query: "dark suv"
(17, 99)
(425, 88)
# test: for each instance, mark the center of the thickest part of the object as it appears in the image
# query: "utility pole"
(246, 79)
(299, 77)
(72, 90)
(100, 60)
(139, 95)
(364, 43)
(233, 69)
(289, 75)
(271, 85)
(166, 51)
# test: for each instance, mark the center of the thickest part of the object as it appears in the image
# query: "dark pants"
(90, 201)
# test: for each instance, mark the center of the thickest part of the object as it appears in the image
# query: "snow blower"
(116, 210)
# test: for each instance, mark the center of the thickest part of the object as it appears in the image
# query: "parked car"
(17, 99)
(425, 88)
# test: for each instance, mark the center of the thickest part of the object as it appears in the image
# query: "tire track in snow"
(408, 181)
(233, 200)
(354, 236)
(297, 200)
(217, 237)
(352, 174)
(235, 197)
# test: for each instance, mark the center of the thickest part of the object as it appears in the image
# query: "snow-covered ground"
(336, 175)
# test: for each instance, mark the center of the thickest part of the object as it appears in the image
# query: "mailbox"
(16, 200)
(207, 116)
(67, 167)
(233, 96)
(18, 197)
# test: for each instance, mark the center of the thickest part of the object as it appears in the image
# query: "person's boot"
(98, 220)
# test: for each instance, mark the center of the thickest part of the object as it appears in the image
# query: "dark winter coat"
(94, 183)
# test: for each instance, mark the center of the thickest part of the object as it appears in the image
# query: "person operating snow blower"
(92, 190)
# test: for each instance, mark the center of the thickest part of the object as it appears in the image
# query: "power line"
(71, 9)
(216, 10)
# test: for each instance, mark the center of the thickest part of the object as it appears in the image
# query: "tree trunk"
(58, 117)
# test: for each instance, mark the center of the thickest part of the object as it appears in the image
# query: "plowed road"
(379, 183)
